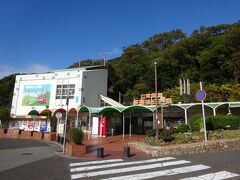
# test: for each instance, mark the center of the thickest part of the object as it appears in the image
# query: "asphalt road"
(26, 159)
(22, 159)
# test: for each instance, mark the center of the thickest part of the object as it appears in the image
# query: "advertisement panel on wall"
(36, 95)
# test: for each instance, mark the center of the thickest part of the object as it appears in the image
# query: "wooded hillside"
(209, 54)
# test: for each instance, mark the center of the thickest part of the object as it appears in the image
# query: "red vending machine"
(102, 126)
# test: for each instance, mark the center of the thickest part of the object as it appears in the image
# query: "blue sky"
(42, 35)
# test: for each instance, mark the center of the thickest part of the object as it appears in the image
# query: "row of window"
(65, 90)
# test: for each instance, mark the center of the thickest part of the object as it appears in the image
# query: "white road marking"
(128, 169)
(86, 168)
(167, 172)
(95, 162)
(214, 176)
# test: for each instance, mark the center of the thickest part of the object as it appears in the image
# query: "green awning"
(92, 110)
(109, 109)
(140, 107)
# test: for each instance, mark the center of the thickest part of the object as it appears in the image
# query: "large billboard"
(36, 95)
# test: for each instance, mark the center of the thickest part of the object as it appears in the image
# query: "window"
(65, 90)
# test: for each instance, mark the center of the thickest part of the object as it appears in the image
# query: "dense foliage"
(182, 128)
(196, 124)
(223, 122)
(6, 94)
(165, 135)
(151, 133)
(209, 54)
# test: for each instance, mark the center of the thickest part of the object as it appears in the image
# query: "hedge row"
(223, 122)
(216, 122)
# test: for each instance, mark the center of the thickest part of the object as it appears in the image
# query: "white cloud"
(6, 70)
(37, 68)
(115, 52)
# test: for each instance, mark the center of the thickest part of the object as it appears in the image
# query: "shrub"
(75, 135)
(182, 128)
(183, 138)
(151, 132)
(166, 135)
(196, 123)
(174, 130)
(223, 122)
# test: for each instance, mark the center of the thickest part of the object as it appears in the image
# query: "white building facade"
(50, 90)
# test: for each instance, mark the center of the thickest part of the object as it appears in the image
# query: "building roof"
(69, 69)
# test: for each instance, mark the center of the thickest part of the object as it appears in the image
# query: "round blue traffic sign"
(200, 95)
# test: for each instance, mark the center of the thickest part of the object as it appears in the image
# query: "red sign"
(102, 125)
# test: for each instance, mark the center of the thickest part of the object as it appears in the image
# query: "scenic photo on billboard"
(36, 95)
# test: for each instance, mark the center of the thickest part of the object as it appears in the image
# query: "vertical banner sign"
(102, 126)
(200, 96)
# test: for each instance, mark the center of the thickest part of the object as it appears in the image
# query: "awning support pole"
(214, 112)
(76, 121)
(89, 125)
(186, 119)
(123, 125)
(130, 125)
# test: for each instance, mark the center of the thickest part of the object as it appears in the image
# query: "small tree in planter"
(75, 147)
(75, 136)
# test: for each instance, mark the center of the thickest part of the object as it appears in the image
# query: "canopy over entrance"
(109, 109)
(140, 107)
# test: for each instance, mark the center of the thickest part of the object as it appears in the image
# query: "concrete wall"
(94, 84)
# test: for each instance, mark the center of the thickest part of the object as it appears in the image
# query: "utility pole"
(66, 118)
(119, 97)
(156, 111)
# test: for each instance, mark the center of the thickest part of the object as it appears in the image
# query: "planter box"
(3, 132)
(38, 135)
(75, 150)
(12, 133)
(26, 134)
(50, 136)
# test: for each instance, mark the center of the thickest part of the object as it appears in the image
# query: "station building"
(39, 96)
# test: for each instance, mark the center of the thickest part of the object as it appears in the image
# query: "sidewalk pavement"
(113, 147)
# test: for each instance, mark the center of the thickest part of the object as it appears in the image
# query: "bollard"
(61, 140)
(100, 152)
(126, 152)
(58, 138)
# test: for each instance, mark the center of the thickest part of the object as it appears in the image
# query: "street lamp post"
(156, 111)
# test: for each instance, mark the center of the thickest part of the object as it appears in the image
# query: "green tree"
(233, 44)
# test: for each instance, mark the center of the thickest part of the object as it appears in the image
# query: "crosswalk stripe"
(128, 169)
(213, 176)
(167, 172)
(95, 162)
(85, 168)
